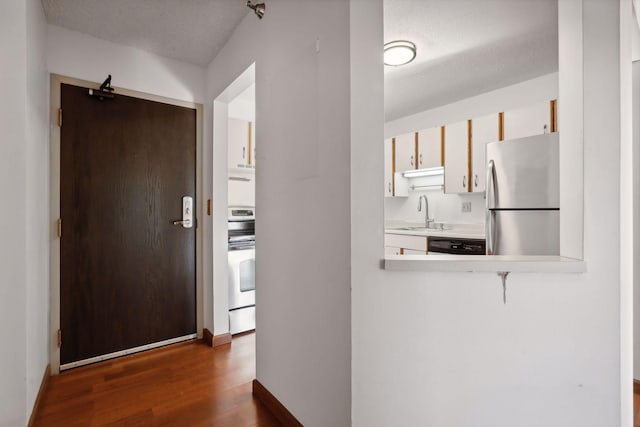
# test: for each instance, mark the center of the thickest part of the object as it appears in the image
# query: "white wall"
(23, 248)
(447, 207)
(543, 88)
(81, 56)
(36, 174)
(636, 230)
(244, 105)
(13, 107)
(77, 55)
(302, 259)
(440, 348)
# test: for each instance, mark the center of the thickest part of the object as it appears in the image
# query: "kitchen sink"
(420, 229)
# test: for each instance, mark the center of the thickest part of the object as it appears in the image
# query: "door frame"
(56, 82)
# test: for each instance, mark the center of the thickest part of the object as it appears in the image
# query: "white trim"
(484, 264)
(54, 192)
(628, 216)
(126, 352)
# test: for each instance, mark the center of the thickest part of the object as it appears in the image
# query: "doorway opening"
(234, 179)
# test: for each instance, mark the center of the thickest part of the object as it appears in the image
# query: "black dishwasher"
(450, 245)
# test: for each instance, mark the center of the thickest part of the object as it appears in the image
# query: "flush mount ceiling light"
(399, 52)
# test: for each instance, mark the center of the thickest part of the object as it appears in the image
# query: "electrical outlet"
(466, 206)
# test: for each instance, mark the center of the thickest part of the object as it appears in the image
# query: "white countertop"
(474, 263)
(458, 231)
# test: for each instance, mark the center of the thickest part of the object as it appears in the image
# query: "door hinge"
(59, 117)
(59, 338)
(209, 207)
(59, 228)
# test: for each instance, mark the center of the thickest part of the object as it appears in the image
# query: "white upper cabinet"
(456, 158)
(405, 152)
(429, 148)
(239, 135)
(534, 119)
(252, 145)
(388, 168)
(483, 130)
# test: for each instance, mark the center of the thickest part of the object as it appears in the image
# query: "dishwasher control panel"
(448, 245)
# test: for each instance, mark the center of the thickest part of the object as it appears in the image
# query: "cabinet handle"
(412, 160)
(244, 150)
(464, 182)
(420, 158)
(475, 180)
(389, 187)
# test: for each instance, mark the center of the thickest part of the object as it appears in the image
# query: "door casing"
(54, 191)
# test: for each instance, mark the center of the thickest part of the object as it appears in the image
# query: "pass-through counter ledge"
(484, 264)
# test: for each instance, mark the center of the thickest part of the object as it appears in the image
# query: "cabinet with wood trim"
(430, 148)
(252, 145)
(484, 129)
(403, 244)
(240, 136)
(388, 167)
(528, 120)
(456, 157)
(405, 152)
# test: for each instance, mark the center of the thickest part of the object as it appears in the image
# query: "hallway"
(188, 384)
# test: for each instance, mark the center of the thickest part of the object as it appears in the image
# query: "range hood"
(417, 173)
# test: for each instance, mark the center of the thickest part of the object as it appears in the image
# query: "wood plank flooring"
(187, 384)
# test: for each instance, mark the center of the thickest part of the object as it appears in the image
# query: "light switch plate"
(466, 206)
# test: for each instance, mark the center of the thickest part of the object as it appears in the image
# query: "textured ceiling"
(188, 30)
(466, 47)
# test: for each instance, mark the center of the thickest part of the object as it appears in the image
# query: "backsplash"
(442, 207)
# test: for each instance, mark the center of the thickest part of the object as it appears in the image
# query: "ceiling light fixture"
(399, 52)
(257, 8)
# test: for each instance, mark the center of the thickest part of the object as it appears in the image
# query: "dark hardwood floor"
(187, 384)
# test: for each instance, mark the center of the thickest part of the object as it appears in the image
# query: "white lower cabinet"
(414, 252)
(242, 190)
(389, 250)
(403, 244)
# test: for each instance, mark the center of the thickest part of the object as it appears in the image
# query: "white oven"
(242, 283)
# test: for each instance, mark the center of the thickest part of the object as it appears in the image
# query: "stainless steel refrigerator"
(523, 196)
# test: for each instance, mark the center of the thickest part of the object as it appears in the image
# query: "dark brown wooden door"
(127, 274)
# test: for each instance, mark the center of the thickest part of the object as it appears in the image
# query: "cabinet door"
(456, 158)
(242, 190)
(405, 152)
(238, 132)
(483, 130)
(429, 148)
(252, 144)
(388, 168)
(534, 119)
(388, 250)
(413, 252)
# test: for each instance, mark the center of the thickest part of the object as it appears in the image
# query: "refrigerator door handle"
(490, 197)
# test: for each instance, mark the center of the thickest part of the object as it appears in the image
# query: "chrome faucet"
(427, 220)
